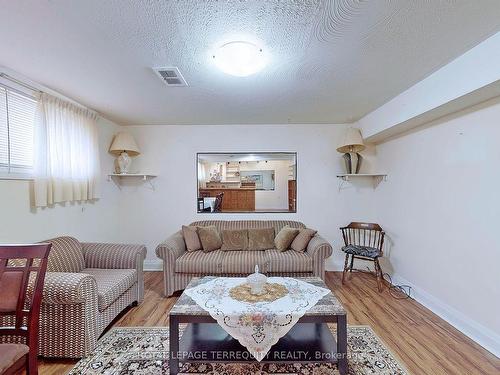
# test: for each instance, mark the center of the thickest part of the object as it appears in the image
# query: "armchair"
(87, 285)
(363, 241)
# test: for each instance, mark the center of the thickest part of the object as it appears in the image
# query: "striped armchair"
(179, 266)
(86, 286)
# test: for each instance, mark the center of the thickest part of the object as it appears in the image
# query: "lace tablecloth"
(257, 326)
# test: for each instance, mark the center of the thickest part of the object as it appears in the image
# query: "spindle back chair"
(363, 241)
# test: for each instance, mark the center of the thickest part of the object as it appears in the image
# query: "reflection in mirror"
(247, 182)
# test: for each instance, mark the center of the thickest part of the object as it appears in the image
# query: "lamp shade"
(352, 141)
(124, 142)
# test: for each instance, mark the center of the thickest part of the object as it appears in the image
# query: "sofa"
(86, 286)
(179, 265)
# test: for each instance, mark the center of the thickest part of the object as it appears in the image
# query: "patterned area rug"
(141, 351)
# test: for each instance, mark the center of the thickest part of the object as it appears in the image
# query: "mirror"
(247, 182)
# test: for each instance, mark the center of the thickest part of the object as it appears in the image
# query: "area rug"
(144, 350)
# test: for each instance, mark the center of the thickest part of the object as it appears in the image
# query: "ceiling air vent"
(171, 76)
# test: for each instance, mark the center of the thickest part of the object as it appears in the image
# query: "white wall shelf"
(376, 177)
(117, 178)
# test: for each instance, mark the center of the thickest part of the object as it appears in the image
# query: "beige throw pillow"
(234, 239)
(191, 238)
(285, 237)
(300, 242)
(260, 239)
(209, 238)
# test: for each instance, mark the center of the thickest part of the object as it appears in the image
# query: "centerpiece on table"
(257, 289)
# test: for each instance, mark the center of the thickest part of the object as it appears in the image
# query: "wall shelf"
(117, 178)
(376, 177)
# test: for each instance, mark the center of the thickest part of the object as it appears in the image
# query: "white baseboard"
(331, 265)
(476, 331)
(153, 265)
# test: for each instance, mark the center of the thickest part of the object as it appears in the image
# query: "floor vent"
(171, 76)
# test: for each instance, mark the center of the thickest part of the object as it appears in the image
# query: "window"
(17, 117)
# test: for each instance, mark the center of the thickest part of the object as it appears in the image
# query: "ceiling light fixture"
(240, 59)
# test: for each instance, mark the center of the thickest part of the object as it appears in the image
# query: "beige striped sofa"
(87, 285)
(179, 266)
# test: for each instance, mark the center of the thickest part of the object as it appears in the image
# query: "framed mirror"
(246, 182)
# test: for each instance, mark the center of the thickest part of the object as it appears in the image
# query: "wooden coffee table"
(310, 340)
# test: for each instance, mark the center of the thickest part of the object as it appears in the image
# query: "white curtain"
(67, 164)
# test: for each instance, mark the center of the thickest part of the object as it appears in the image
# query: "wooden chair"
(363, 241)
(21, 287)
(218, 202)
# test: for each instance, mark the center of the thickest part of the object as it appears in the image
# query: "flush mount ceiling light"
(240, 59)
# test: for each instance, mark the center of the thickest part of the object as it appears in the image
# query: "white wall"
(96, 221)
(441, 210)
(150, 216)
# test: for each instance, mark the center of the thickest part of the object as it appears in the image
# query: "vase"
(353, 162)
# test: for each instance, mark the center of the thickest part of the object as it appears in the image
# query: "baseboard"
(332, 266)
(474, 330)
(153, 265)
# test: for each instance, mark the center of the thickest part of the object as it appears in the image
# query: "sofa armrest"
(68, 288)
(113, 256)
(319, 249)
(169, 250)
(172, 248)
(318, 243)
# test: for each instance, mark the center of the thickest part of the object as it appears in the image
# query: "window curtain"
(66, 164)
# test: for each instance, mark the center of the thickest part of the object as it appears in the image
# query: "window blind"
(17, 117)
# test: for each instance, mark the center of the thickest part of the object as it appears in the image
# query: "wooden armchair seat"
(362, 251)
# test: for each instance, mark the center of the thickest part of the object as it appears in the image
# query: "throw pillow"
(300, 242)
(191, 238)
(260, 239)
(209, 238)
(285, 237)
(234, 239)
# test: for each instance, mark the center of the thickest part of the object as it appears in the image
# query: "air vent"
(171, 76)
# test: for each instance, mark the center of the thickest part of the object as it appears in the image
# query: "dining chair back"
(22, 275)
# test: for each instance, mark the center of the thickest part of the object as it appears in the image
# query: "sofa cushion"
(234, 239)
(199, 262)
(209, 238)
(66, 255)
(191, 238)
(111, 283)
(261, 239)
(288, 261)
(284, 238)
(300, 242)
(243, 262)
(11, 353)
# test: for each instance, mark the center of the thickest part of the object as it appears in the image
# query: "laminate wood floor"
(424, 343)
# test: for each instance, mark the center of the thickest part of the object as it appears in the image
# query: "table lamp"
(351, 144)
(124, 146)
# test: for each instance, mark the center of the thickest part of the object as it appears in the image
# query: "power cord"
(397, 291)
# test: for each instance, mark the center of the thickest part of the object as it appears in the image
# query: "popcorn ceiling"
(331, 61)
